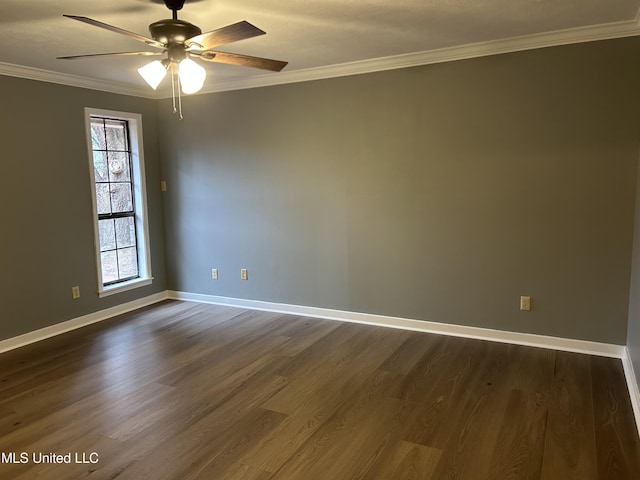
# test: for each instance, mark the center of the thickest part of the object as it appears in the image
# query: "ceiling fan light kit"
(191, 76)
(153, 73)
(182, 41)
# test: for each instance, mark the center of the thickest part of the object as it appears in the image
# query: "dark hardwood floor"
(190, 391)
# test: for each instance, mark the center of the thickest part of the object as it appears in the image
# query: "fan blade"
(106, 26)
(73, 57)
(242, 60)
(221, 36)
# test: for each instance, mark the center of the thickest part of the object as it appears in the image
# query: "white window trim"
(140, 201)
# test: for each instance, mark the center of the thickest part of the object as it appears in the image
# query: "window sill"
(124, 286)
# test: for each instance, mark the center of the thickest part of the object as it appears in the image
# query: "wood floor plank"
(618, 447)
(442, 393)
(310, 414)
(415, 462)
(407, 355)
(473, 434)
(434, 363)
(323, 454)
(57, 425)
(215, 433)
(311, 401)
(228, 471)
(519, 451)
(570, 448)
(216, 408)
(362, 353)
(185, 391)
(306, 360)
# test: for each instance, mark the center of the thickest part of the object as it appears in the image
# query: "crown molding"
(515, 44)
(38, 74)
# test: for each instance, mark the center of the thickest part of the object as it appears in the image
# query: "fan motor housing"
(171, 31)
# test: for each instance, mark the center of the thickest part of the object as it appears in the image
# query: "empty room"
(317, 239)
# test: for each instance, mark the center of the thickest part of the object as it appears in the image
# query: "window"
(119, 200)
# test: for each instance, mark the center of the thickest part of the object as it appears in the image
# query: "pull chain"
(179, 100)
(173, 88)
(173, 93)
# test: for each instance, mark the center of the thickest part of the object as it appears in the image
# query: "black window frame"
(126, 214)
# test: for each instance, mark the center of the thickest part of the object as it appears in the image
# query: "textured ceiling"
(318, 38)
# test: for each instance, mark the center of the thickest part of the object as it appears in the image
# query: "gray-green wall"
(441, 192)
(633, 329)
(47, 244)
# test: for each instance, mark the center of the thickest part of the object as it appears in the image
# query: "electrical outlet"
(163, 185)
(75, 292)
(214, 273)
(525, 303)
(244, 274)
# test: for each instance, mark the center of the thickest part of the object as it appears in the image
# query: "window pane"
(102, 198)
(109, 266)
(127, 262)
(114, 165)
(121, 200)
(100, 166)
(98, 141)
(107, 235)
(116, 139)
(125, 232)
(119, 167)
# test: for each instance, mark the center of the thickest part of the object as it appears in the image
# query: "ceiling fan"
(182, 41)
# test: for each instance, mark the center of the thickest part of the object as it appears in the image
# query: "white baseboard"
(542, 341)
(632, 384)
(529, 339)
(57, 329)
